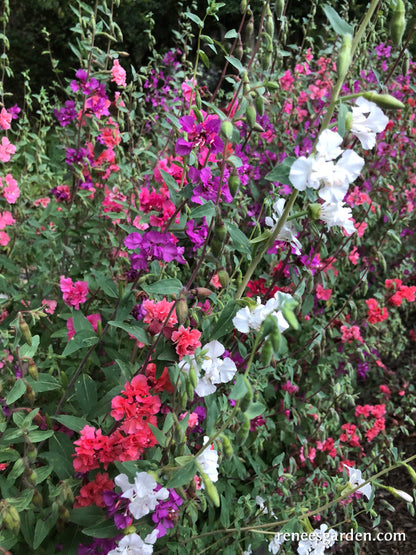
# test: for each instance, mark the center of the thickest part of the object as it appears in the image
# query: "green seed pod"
(384, 100)
(290, 317)
(227, 129)
(32, 477)
(63, 513)
(30, 394)
(226, 444)
(276, 340)
(24, 328)
(405, 63)
(266, 61)
(249, 29)
(271, 85)
(257, 127)
(348, 121)
(243, 5)
(189, 389)
(259, 102)
(184, 399)
(198, 114)
(267, 353)
(279, 7)
(243, 431)
(248, 397)
(224, 278)
(11, 519)
(203, 503)
(33, 370)
(398, 23)
(234, 184)
(344, 58)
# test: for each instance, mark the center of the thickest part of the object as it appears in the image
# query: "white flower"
(367, 120)
(141, 494)
(321, 172)
(248, 551)
(246, 319)
(337, 213)
(216, 369)
(276, 543)
(132, 544)
(355, 480)
(208, 461)
(287, 233)
(400, 493)
(318, 541)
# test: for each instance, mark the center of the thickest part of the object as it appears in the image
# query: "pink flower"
(50, 306)
(74, 294)
(11, 191)
(4, 238)
(323, 294)
(351, 334)
(44, 201)
(5, 119)
(118, 74)
(354, 256)
(93, 319)
(187, 340)
(6, 149)
(6, 218)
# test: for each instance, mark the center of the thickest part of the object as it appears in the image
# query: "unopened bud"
(248, 397)
(11, 519)
(33, 370)
(243, 6)
(216, 245)
(220, 231)
(190, 390)
(344, 58)
(37, 498)
(269, 24)
(243, 431)
(203, 292)
(276, 340)
(267, 352)
(398, 23)
(63, 513)
(193, 378)
(30, 394)
(386, 101)
(290, 317)
(348, 121)
(271, 85)
(24, 328)
(182, 310)
(226, 444)
(279, 6)
(400, 494)
(251, 115)
(411, 472)
(31, 453)
(129, 530)
(314, 211)
(259, 105)
(234, 184)
(198, 100)
(211, 490)
(227, 129)
(269, 325)
(224, 278)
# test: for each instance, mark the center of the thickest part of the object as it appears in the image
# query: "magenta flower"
(166, 512)
(153, 245)
(74, 294)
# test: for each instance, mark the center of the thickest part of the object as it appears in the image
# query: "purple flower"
(166, 512)
(205, 134)
(74, 156)
(118, 507)
(66, 114)
(195, 234)
(98, 546)
(153, 245)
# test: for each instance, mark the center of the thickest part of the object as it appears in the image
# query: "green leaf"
(183, 476)
(207, 210)
(204, 58)
(133, 329)
(81, 340)
(168, 286)
(193, 17)
(224, 324)
(342, 112)
(255, 409)
(104, 529)
(86, 516)
(60, 454)
(45, 382)
(171, 183)
(159, 435)
(16, 392)
(232, 34)
(40, 435)
(339, 25)
(43, 527)
(80, 322)
(71, 422)
(29, 351)
(23, 501)
(241, 242)
(86, 393)
(106, 284)
(280, 173)
(235, 62)
(239, 389)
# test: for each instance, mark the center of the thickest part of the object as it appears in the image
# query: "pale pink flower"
(118, 74)
(4, 238)
(6, 218)
(50, 306)
(11, 191)
(6, 149)
(5, 119)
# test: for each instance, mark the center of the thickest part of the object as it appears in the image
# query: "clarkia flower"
(132, 544)
(208, 461)
(367, 120)
(166, 512)
(143, 494)
(355, 479)
(287, 233)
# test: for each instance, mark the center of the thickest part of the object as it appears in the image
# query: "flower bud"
(259, 102)
(31, 453)
(216, 245)
(405, 63)
(267, 352)
(203, 292)
(220, 231)
(11, 519)
(399, 494)
(33, 370)
(224, 278)
(24, 328)
(398, 23)
(276, 340)
(251, 115)
(227, 129)
(30, 394)
(37, 499)
(243, 6)
(279, 6)
(386, 101)
(314, 211)
(198, 100)
(344, 58)
(190, 390)
(226, 444)
(63, 513)
(348, 121)
(129, 530)
(269, 24)
(243, 431)
(193, 378)
(211, 490)
(271, 85)
(234, 184)
(290, 317)
(182, 310)
(248, 397)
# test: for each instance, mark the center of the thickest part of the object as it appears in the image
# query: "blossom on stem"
(208, 461)
(132, 544)
(287, 233)
(216, 369)
(355, 479)
(367, 120)
(143, 494)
